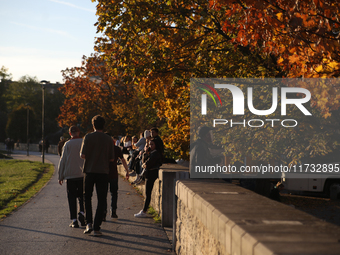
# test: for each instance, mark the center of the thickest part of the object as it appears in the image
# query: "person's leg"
(139, 166)
(114, 196)
(132, 162)
(101, 189)
(80, 196)
(148, 191)
(71, 186)
(88, 190)
(105, 201)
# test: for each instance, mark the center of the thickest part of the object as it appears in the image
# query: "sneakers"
(141, 214)
(114, 214)
(133, 173)
(140, 182)
(88, 229)
(81, 219)
(74, 224)
(97, 233)
(136, 180)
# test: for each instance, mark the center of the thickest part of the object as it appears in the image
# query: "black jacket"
(152, 161)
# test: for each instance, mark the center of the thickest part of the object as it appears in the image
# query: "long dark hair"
(158, 146)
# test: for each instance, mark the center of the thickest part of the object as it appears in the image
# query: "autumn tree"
(301, 37)
(91, 90)
(159, 45)
(162, 44)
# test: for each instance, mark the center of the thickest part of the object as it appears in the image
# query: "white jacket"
(71, 164)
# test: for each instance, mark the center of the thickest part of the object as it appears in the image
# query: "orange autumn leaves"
(155, 47)
(91, 89)
(302, 34)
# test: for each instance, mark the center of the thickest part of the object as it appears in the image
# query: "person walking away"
(70, 168)
(152, 161)
(46, 145)
(8, 145)
(12, 144)
(97, 150)
(113, 179)
(61, 144)
(41, 145)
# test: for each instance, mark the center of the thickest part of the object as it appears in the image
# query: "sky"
(39, 38)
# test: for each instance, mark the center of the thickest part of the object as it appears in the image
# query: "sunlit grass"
(19, 181)
(154, 215)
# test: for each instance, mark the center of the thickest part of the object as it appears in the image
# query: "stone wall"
(215, 217)
(192, 236)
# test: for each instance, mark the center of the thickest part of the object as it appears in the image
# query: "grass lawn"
(19, 181)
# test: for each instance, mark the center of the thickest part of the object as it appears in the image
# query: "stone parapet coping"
(244, 222)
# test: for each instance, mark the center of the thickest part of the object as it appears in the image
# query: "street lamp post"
(43, 119)
(28, 122)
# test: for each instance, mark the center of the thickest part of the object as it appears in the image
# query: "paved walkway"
(41, 225)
